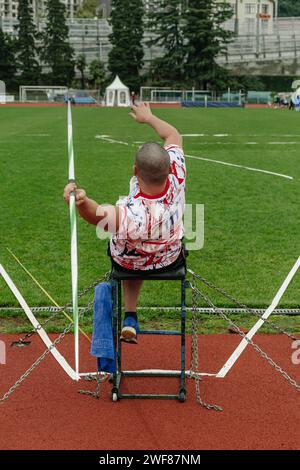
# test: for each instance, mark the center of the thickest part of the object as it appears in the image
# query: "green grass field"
(252, 222)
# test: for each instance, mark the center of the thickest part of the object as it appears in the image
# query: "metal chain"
(254, 345)
(36, 363)
(58, 310)
(53, 345)
(99, 380)
(194, 367)
(240, 304)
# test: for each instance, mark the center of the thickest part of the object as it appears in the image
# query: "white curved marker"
(42, 333)
(244, 343)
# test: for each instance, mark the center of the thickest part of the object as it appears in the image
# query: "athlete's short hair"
(153, 163)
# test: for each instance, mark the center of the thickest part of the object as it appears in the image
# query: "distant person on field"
(146, 226)
(133, 98)
(276, 101)
(285, 101)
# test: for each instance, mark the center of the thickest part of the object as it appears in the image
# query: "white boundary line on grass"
(244, 343)
(241, 135)
(208, 310)
(240, 166)
(108, 139)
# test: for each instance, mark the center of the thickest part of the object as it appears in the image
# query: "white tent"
(296, 97)
(117, 94)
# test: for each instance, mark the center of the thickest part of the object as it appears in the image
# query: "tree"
(165, 24)
(126, 57)
(205, 38)
(8, 67)
(57, 53)
(81, 66)
(27, 62)
(97, 73)
(289, 8)
(89, 9)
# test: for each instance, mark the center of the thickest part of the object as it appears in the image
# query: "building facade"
(9, 8)
(250, 18)
(253, 16)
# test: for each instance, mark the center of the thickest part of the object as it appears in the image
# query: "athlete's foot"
(130, 330)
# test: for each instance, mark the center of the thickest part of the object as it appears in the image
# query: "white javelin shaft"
(244, 343)
(42, 333)
(74, 259)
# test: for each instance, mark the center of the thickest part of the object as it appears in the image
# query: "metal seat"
(175, 274)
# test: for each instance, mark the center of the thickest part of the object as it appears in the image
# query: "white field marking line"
(195, 135)
(113, 141)
(248, 143)
(74, 256)
(240, 135)
(42, 333)
(208, 310)
(240, 166)
(206, 135)
(244, 343)
(283, 143)
(36, 135)
(107, 138)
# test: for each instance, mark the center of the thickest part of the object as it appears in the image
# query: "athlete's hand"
(141, 113)
(80, 194)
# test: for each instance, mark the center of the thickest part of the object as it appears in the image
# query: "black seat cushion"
(176, 270)
(176, 273)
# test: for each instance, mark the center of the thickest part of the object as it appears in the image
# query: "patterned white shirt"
(151, 227)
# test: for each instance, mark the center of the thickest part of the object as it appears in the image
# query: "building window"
(250, 8)
(250, 26)
(265, 9)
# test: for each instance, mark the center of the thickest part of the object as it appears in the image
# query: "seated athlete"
(147, 225)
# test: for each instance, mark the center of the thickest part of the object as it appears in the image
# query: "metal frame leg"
(114, 326)
(119, 312)
(117, 319)
(117, 326)
(182, 390)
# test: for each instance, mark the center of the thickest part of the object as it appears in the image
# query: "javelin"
(74, 258)
(44, 290)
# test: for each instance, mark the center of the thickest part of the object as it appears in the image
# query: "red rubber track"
(261, 410)
(258, 106)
